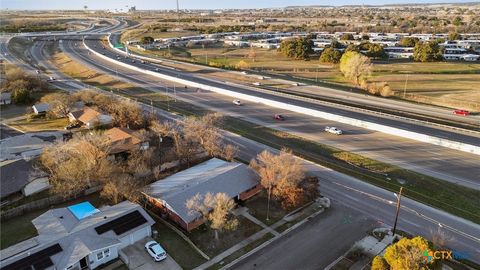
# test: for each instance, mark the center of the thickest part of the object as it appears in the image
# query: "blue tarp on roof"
(83, 210)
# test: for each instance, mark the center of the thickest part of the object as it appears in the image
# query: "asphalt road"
(444, 163)
(370, 201)
(315, 244)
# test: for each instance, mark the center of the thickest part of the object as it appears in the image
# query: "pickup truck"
(333, 130)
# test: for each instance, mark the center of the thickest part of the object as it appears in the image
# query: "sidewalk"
(243, 211)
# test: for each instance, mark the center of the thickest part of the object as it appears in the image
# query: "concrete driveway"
(138, 258)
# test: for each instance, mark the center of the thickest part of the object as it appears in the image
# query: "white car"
(156, 251)
(237, 102)
(334, 130)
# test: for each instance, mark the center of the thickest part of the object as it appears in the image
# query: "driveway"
(139, 259)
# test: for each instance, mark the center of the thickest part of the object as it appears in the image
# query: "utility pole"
(178, 10)
(405, 87)
(399, 198)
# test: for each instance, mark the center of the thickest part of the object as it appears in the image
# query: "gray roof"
(77, 238)
(41, 107)
(16, 174)
(6, 96)
(212, 176)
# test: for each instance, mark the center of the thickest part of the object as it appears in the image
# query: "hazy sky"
(191, 4)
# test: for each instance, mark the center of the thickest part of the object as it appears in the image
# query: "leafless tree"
(122, 187)
(215, 209)
(60, 104)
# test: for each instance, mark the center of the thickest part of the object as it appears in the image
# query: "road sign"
(118, 46)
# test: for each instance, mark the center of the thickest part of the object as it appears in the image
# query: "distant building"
(5, 98)
(79, 237)
(20, 176)
(40, 108)
(170, 195)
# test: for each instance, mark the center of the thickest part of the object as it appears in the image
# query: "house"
(170, 195)
(90, 117)
(122, 140)
(79, 237)
(5, 98)
(40, 108)
(21, 176)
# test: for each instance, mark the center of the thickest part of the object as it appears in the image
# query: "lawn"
(21, 228)
(39, 124)
(204, 238)
(177, 247)
(257, 207)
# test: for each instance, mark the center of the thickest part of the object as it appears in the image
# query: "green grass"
(177, 247)
(39, 124)
(204, 238)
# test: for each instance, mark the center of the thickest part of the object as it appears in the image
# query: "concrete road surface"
(315, 244)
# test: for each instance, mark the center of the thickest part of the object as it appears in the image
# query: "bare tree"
(215, 209)
(279, 174)
(59, 103)
(123, 187)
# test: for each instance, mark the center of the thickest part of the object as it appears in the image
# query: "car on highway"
(257, 84)
(156, 69)
(279, 117)
(37, 71)
(156, 251)
(51, 78)
(333, 130)
(237, 102)
(461, 112)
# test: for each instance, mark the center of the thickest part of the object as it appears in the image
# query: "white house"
(40, 108)
(79, 237)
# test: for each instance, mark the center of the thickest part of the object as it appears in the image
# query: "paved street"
(315, 244)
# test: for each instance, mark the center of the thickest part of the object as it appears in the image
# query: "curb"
(266, 243)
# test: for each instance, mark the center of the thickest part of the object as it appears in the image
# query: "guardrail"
(316, 113)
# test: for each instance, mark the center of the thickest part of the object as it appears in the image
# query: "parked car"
(237, 102)
(334, 130)
(73, 125)
(156, 251)
(279, 117)
(257, 84)
(461, 112)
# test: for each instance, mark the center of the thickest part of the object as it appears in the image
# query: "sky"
(192, 4)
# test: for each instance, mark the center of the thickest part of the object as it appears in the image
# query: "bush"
(21, 96)
(330, 55)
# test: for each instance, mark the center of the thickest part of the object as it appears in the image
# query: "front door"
(83, 263)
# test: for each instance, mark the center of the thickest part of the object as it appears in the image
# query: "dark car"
(279, 117)
(73, 125)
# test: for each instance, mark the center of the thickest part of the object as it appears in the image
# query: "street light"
(399, 198)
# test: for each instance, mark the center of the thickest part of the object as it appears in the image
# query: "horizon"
(19, 5)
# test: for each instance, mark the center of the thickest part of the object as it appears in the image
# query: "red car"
(279, 117)
(461, 112)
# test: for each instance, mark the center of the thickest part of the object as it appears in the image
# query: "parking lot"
(136, 257)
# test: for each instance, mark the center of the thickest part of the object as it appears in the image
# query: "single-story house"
(79, 237)
(40, 108)
(122, 140)
(90, 117)
(5, 98)
(20, 176)
(170, 195)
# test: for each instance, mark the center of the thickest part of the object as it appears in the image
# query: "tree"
(147, 40)
(122, 187)
(427, 52)
(355, 66)
(298, 48)
(374, 50)
(77, 164)
(408, 42)
(330, 55)
(407, 254)
(454, 36)
(279, 174)
(242, 65)
(379, 263)
(60, 103)
(215, 210)
(21, 96)
(252, 54)
(125, 113)
(347, 36)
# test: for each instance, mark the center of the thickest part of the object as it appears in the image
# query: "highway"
(450, 165)
(359, 197)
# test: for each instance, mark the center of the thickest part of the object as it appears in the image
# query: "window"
(100, 255)
(106, 252)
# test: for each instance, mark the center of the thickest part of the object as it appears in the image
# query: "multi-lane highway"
(444, 163)
(361, 198)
